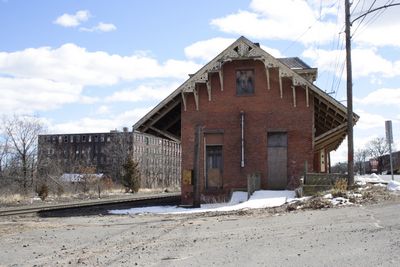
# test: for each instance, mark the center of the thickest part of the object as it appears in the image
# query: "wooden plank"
(196, 98)
(208, 84)
(160, 115)
(280, 85)
(184, 100)
(221, 79)
(166, 134)
(294, 95)
(307, 97)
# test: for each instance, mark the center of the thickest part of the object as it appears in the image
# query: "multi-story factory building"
(159, 159)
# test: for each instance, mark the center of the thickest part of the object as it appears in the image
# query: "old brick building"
(245, 113)
(159, 159)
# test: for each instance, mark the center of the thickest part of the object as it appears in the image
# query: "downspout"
(242, 138)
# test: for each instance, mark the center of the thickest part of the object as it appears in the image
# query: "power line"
(308, 28)
(374, 17)
(372, 5)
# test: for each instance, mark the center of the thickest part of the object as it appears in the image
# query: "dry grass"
(11, 198)
(340, 188)
(71, 193)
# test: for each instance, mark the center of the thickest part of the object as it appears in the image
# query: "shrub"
(131, 177)
(340, 188)
(43, 191)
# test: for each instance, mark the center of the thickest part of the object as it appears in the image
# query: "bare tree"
(377, 147)
(361, 157)
(4, 147)
(118, 152)
(22, 135)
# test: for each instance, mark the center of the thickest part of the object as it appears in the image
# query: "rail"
(145, 199)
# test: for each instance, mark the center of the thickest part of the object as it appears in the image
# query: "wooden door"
(277, 160)
(214, 167)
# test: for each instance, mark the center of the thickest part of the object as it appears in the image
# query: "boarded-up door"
(214, 167)
(277, 160)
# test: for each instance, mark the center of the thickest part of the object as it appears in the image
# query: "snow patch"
(371, 178)
(393, 186)
(259, 199)
(238, 197)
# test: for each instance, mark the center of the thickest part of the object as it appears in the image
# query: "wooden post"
(305, 171)
(280, 85)
(196, 168)
(350, 144)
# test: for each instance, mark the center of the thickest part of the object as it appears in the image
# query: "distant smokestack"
(125, 129)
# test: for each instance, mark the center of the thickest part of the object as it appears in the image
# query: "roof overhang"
(330, 115)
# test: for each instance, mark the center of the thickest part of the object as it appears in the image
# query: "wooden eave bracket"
(196, 98)
(221, 79)
(184, 100)
(208, 84)
(281, 75)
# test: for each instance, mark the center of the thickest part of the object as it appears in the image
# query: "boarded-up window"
(214, 167)
(244, 82)
(277, 139)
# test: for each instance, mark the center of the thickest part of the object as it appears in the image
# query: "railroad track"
(135, 201)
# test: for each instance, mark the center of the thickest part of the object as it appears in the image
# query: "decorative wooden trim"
(184, 100)
(208, 84)
(307, 97)
(196, 98)
(221, 79)
(280, 85)
(294, 95)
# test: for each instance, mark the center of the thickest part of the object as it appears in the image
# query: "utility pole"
(350, 141)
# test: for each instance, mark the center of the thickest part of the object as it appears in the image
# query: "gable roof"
(294, 63)
(330, 115)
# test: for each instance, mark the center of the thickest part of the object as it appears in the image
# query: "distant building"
(159, 159)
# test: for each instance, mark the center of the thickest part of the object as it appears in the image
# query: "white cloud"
(101, 27)
(43, 79)
(75, 65)
(369, 120)
(281, 20)
(26, 95)
(206, 50)
(381, 28)
(365, 62)
(89, 124)
(383, 96)
(144, 92)
(272, 51)
(68, 20)
(103, 109)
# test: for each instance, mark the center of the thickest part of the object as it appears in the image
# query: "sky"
(93, 66)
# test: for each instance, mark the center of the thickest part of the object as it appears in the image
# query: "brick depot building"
(246, 113)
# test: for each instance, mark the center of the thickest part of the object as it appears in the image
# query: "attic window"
(236, 49)
(244, 82)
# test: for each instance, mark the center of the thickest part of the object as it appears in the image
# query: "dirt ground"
(358, 235)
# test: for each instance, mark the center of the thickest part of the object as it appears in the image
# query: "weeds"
(43, 192)
(340, 188)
